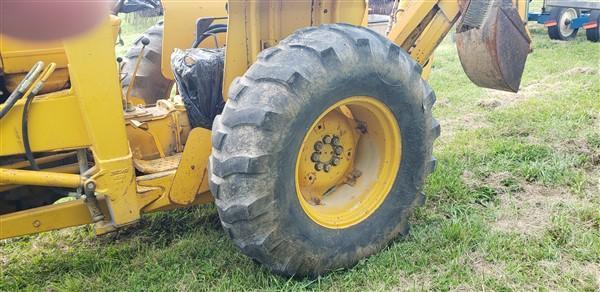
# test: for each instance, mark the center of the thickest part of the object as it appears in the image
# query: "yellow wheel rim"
(348, 162)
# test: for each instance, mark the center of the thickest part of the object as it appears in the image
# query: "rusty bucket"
(494, 55)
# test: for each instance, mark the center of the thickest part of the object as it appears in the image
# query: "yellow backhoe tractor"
(322, 134)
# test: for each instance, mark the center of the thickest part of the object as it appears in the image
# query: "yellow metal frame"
(89, 115)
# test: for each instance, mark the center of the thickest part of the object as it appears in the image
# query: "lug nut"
(338, 150)
(335, 161)
(327, 139)
(327, 167)
(315, 157)
(319, 166)
(318, 145)
(335, 141)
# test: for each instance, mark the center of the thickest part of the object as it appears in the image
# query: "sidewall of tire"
(344, 246)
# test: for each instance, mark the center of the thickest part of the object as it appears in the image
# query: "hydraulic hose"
(212, 30)
(37, 87)
(22, 88)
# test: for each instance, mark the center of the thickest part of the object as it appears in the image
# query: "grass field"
(513, 205)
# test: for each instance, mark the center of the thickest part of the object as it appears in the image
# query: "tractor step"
(157, 165)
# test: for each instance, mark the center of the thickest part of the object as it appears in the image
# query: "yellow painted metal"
(422, 25)
(256, 25)
(427, 68)
(315, 183)
(39, 178)
(179, 32)
(69, 168)
(55, 119)
(342, 199)
(52, 217)
(192, 169)
(167, 123)
(92, 65)
(18, 56)
(115, 24)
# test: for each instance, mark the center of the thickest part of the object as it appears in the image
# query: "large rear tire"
(150, 85)
(263, 153)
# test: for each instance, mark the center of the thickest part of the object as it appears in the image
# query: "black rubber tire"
(258, 136)
(554, 32)
(593, 34)
(150, 85)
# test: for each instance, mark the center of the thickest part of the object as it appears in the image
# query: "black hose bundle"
(23, 86)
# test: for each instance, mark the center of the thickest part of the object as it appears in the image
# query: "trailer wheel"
(562, 30)
(150, 85)
(593, 34)
(322, 150)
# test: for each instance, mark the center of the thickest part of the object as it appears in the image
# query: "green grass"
(514, 205)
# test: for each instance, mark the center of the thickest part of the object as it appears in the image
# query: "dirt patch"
(497, 99)
(523, 208)
(469, 121)
(581, 147)
(484, 268)
(581, 71)
(530, 210)
(593, 269)
(578, 270)
(418, 282)
(489, 103)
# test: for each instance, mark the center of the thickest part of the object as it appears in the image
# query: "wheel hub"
(328, 153)
(565, 22)
(347, 162)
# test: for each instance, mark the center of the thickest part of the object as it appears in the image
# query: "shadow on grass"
(163, 227)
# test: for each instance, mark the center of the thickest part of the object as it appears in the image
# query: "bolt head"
(318, 146)
(335, 140)
(315, 157)
(319, 166)
(327, 167)
(338, 150)
(335, 161)
(90, 186)
(327, 139)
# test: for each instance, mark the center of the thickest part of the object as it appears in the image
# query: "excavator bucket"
(494, 54)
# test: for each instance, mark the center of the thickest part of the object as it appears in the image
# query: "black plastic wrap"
(199, 77)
